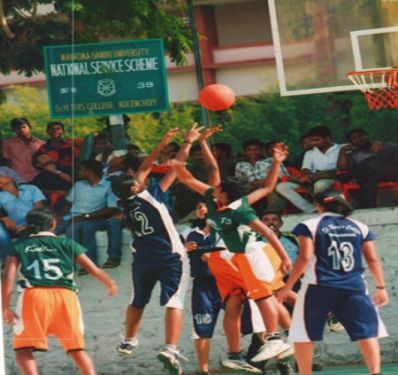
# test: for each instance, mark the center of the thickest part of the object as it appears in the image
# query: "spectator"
(134, 150)
(90, 206)
(16, 201)
(252, 173)
(306, 146)
(368, 163)
(8, 172)
(318, 170)
(225, 159)
(64, 152)
(54, 183)
(18, 151)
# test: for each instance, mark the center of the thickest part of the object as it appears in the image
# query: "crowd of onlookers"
(73, 177)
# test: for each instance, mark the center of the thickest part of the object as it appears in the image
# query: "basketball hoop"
(380, 87)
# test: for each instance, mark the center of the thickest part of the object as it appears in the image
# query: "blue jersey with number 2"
(337, 260)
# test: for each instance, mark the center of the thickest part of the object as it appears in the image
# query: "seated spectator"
(54, 183)
(64, 152)
(16, 201)
(91, 206)
(18, 151)
(253, 170)
(306, 146)
(104, 152)
(318, 171)
(134, 150)
(225, 159)
(8, 172)
(369, 163)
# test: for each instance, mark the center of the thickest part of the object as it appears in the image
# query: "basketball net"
(379, 87)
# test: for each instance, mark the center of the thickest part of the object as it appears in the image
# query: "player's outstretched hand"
(280, 152)
(171, 133)
(10, 316)
(380, 297)
(193, 134)
(208, 132)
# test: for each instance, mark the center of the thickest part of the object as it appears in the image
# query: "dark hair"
(121, 186)
(224, 147)
(251, 142)
(303, 136)
(133, 147)
(319, 131)
(93, 165)
(356, 130)
(102, 136)
(232, 188)
(50, 124)
(132, 161)
(269, 212)
(333, 200)
(39, 220)
(17, 122)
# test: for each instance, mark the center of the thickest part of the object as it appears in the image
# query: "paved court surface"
(388, 369)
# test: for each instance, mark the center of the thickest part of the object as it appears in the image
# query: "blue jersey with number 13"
(337, 260)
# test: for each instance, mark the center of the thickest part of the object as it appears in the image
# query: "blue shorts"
(354, 309)
(171, 270)
(206, 304)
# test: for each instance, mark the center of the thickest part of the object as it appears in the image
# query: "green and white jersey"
(231, 224)
(47, 260)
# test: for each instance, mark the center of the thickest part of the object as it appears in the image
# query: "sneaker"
(237, 361)
(270, 349)
(170, 361)
(284, 368)
(334, 325)
(287, 353)
(111, 263)
(126, 347)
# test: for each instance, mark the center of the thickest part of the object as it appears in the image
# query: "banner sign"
(106, 78)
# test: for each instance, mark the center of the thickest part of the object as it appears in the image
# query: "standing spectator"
(64, 152)
(368, 163)
(18, 151)
(91, 206)
(16, 201)
(48, 304)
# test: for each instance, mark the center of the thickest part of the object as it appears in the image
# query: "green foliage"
(265, 117)
(83, 21)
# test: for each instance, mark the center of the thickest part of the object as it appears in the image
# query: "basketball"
(216, 97)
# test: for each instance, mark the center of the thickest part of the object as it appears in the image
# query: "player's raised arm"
(214, 178)
(280, 153)
(187, 178)
(189, 138)
(147, 164)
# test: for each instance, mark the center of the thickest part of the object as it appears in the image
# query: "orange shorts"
(48, 311)
(256, 274)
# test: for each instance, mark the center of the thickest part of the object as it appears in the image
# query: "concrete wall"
(104, 317)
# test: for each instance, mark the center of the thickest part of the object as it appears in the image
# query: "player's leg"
(370, 349)
(173, 275)
(83, 362)
(202, 348)
(304, 352)
(233, 311)
(144, 280)
(26, 362)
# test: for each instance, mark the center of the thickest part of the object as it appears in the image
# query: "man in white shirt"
(317, 171)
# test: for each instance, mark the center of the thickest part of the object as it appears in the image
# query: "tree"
(25, 28)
